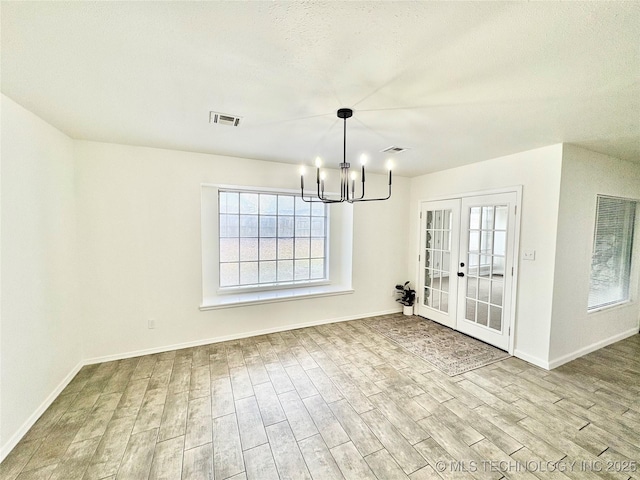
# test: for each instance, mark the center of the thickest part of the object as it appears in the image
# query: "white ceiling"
(457, 82)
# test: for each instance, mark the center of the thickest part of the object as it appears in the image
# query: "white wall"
(538, 171)
(40, 345)
(586, 174)
(140, 255)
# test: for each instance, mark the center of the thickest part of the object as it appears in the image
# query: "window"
(612, 251)
(269, 239)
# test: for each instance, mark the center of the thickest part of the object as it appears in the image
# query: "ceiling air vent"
(224, 119)
(394, 149)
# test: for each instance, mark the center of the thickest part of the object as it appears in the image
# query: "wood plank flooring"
(332, 402)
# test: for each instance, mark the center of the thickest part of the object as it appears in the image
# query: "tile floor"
(336, 401)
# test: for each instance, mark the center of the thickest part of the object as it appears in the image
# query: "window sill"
(273, 296)
(613, 306)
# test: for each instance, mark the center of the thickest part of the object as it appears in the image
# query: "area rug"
(449, 351)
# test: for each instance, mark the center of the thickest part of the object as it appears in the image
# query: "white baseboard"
(225, 338)
(17, 436)
(592, 348)
(531, 359)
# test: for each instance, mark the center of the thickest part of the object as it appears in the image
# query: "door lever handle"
(460, 274)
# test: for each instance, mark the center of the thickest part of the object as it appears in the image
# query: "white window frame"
(632, 238)
(339, 259)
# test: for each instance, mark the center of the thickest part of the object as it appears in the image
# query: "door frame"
(517, 189)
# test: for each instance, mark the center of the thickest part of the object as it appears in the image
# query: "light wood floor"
(336, 401)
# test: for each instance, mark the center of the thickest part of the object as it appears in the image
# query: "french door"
(467, 264)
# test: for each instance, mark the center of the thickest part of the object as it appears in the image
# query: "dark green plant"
(406, 295)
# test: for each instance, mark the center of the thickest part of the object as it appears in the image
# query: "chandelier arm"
(372, 199)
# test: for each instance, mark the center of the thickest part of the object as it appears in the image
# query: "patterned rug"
(449, 351)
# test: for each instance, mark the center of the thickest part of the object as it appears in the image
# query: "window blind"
(612, 249)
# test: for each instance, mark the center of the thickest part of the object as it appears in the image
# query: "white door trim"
(516, 247)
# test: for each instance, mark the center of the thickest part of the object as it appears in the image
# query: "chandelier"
(347, 178)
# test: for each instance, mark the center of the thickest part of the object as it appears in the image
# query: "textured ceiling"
(456, 82)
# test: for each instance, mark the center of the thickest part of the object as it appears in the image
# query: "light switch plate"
(528, 254)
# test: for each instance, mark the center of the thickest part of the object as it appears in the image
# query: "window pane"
(267, 272)
(302, 248)
(301, 270)
(229, 225)
(249, 273)
(248, 249)
(229, 250)
(267, 226)
(267, 249)
(317, 247)
(248, 225)
(317, 268)
(285, 270)
(268, 204)
(229, 274)
(612, 252)
(302, 207)
(249, 203)
(229, 202)
(285, 226)
(303, 225)
(285, 205)
(318, 209)
(285, 248)
(317, 227)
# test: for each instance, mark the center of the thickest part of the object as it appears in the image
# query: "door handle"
(460, 274)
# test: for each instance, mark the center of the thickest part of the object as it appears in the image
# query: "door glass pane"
(472, 264)
(445, 261)
(501, 217)
(470, 313)
(444, 302)
(438, 219)
(486, 241)
(500, 243)
(427, 277)
(437, 259)
(428, 239)
(497, 267)
(435, 281)
(496, 292)
(487, 218)
(474, 218)
(483, 289)
(426, 300)
(444, 284)
(472, 286)
(436, 300)
(495, 318)
(483, 313)
(437, 239)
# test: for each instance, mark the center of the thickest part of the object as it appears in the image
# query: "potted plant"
(406, 296)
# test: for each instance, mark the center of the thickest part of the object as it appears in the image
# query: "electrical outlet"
(152, 323)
